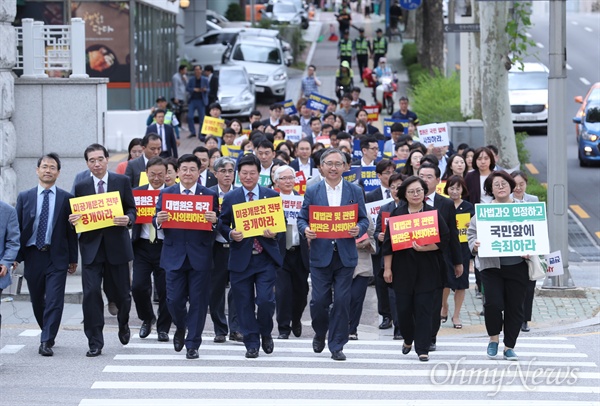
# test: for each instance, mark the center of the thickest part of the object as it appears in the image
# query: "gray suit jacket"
(9, 240)
(134, 168)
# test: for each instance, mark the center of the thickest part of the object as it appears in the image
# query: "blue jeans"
(195, 105)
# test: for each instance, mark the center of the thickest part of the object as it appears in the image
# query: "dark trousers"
(414, 314)
(46, 286)
(325, 316)
(117, 278)
(195, 105)
(363, 62)
(528, 304)
(381, 288)
(146, 264)
(504, 291)
(259, 277)
(436, 311)
(358, 293)
(291, 291)
(218, 287)
(184, 285)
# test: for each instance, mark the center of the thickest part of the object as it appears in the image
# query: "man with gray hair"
(291, 285)
(332, 261)
(224, 169)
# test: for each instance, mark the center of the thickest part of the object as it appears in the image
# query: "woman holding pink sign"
(415, 272)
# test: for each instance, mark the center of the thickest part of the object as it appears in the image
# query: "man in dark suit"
(453, 256)
(206, 178)
(151, 145)
(147, 246)
(303, 161)
(253, 262)
(106, 252)
(225, 173)
(187, 260)
(9, 244)
(332, 262)
(369, 148)
(166, 133)
(48, 247)
(291, 287)
(197, 88)
(213, 84)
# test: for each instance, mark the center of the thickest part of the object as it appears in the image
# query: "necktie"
(387, 194)
(101, 186)
(200, 180)
(255, 244)
(40, 239)
(152, 237)
(187, 191)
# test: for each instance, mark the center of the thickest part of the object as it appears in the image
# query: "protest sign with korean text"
(291, 207)
(353, 175)
(212, 126)
(389, 122)
(372, 113)
(512, 229)
(300, 183)
(333, 222)
(370, 181)
(254, 217)
(324, 139)
(555, 264)
(374, 207)
(462, 224)
(318, 103)
(145, 204)
(97, 211)
(289, 108)
(439, 188)
(292, 132)
(187, 211)
(233, 151)
(421, 228)
(436, 134)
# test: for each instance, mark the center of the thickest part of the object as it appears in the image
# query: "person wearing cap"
(345, 48)
(275, 111)
(170, 117)
(362, 49)
(380, 47)
(344, 79)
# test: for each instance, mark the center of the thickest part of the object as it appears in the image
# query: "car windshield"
(527, 81)
(593, 115)
(257, 53)
(232, 77)
(594, 95)
(280, 8)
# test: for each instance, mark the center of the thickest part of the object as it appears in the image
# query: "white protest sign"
(374, 207)
(436, 134)
(291, 207)
(292, 132)
(512, 229)
(555, 264)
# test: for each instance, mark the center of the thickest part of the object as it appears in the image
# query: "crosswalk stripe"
(326, 359)
(11, 349)
(30, 333)
(330, 402)
(439, 372)
(353, 387)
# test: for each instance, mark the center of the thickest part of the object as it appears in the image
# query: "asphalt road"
(583, 69)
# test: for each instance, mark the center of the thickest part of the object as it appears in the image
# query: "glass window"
(527, 80)
(257, 53)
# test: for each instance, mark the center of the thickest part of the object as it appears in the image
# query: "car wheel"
(582, 162)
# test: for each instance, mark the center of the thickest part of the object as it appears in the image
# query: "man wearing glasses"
(370, 149)
(332, 261)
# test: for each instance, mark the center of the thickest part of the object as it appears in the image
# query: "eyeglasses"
(374, 148)
(99, 160)
(188, 170)
(226, 171)
(287, 178)
(500, 185)
(414, 192)
(387, 173)
(330, 164)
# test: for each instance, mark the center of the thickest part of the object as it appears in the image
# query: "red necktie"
(256, 245)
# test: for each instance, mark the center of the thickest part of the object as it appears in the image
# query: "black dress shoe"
(220, 339)
(338, 356)
(192, 353)
(386, 323)
(525, 327)
(236, 336)
(283, 336)
(318, 344)
(124, 334)
(406, 349)
(163, 336)
(45, 350)
(432, 347)
(297, 329)
(146, 328)
(267, 344)
(50, 343)
(93, 352)
(178, 339)
(252, 353)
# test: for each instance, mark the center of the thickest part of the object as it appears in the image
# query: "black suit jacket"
(374, 195)
(171, 148)
(446, 210)
(133, 170)
(213, 88)
(211, 180)
(63, 243)
(117, 242)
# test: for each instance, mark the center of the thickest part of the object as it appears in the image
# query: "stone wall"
(8, 139)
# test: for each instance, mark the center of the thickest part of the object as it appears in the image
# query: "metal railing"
(49, 48)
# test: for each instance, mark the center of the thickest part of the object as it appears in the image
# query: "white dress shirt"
(105, 179)
(429, 199)
(192, 189)
(334, 194)
(145, 233)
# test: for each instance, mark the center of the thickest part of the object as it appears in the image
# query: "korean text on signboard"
(318, 102)
(212, 126)
(421, 228)
(253, 218)
(97, 211)
(187, 211)
(333, 222)
(145, 204)
(291, 207)
(369, 178)
(436, 134)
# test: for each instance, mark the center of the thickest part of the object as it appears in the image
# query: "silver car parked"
(236, 91)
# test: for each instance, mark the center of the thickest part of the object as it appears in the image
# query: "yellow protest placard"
(253, 218)
(462, 224)
(212, 126)
(440, 189)
(97, 211)
(277, 142)
(143, 179)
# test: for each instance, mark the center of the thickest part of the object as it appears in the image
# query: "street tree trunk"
(495, 105)
(429, 35)
(473, 104)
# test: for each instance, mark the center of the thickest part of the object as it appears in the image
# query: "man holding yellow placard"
(105, 252)
(253, 260)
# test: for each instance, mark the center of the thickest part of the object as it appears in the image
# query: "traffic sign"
(410, 4)
(461, 27)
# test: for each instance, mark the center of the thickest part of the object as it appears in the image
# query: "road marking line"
(30, 333)
(330, 402)
(539, 45)
(588, 29)
(579, 211)
(569, 67)
(528, 35)
(338, 387)
(11, 349)
(532, 169)
(585, 81)
(574, 22)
